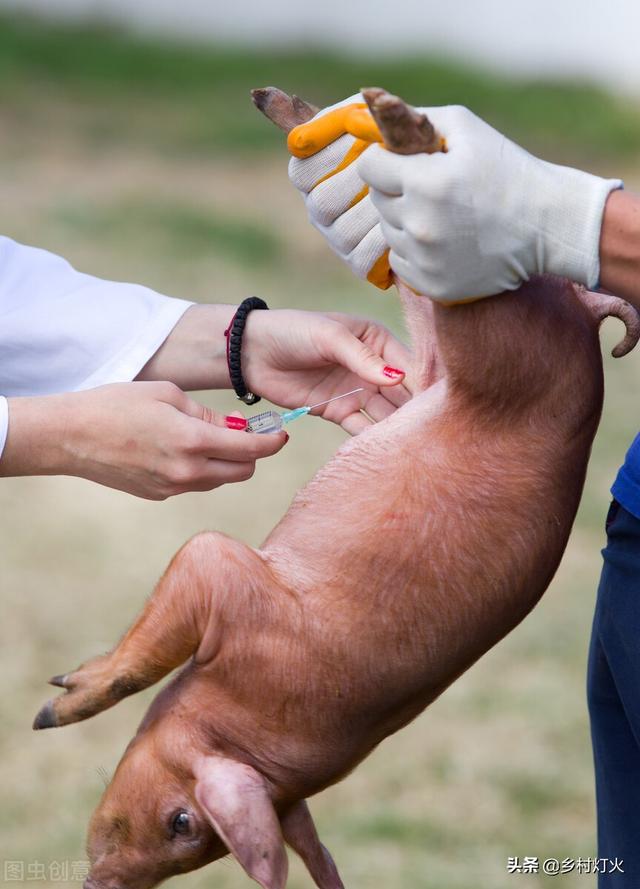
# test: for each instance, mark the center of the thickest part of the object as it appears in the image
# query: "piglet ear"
(235, 799)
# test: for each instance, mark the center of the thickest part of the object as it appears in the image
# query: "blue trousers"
(613, 692)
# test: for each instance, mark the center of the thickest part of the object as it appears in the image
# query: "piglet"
(424, 541)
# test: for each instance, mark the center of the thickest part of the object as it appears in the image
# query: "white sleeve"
(62, 331)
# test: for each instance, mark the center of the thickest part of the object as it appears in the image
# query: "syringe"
(272, 421)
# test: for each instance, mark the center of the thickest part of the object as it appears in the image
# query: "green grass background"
(145, 161)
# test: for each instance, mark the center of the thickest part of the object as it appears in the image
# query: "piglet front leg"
(179, 620)
(300, 833)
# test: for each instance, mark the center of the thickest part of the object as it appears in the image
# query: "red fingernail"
(238, 423)
(286, 437)
(392, 372)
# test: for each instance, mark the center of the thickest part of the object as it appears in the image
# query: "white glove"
(484, 216)
(338, 203)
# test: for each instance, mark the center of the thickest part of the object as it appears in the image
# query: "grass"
(145, 162)
(176, 227)
(194, 98)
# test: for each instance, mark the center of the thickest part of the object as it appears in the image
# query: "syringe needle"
(335, 398)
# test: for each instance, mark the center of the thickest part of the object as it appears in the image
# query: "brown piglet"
(424, 541)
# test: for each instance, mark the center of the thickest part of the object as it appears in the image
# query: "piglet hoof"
(46, 717)
(285, 111)
(88, 690)
(58, 680)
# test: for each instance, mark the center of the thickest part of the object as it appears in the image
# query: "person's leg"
(613, 689)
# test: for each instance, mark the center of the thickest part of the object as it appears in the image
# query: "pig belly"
(424, 553)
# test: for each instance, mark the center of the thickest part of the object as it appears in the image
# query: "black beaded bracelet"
(233, 333)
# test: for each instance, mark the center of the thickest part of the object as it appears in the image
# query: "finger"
(309, 138)
(397, 353)
(395, 238)
(391, 209)
(236, 445)
(406, 272)
(338, 410)
(219, 472)
(174, 396)
(452, 122)
(337, 194)
(305, 174)
(378, 407)
(397, 395)
(382, 170)
(345, 349)
(301, 164)
(368, 252)
(355, 423)
(171, 394)
(235, 420)
(360, 123)
(350, 229)
(193, 408)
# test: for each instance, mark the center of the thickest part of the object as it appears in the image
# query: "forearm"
(38, 431)
(194, 354)
(148, 439)
(620, 247)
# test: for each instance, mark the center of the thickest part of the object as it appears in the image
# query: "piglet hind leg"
(405, 131)
(285, 111)
(179, 620)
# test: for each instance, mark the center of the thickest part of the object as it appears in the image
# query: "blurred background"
(129, 145)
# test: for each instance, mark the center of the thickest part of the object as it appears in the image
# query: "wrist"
(36, 437)
(194, 354)
(243, 344)
(620, 246)
(570, 218)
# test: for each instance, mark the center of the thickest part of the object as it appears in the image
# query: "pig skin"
(424, 541)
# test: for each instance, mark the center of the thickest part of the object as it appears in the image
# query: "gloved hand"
(479, 219)
(336, 198)
(486, 215)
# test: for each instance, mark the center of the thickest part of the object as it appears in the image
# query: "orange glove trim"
(359, 196)
(457, 302)
(380, 272)
(308, 138)
(354, 152)
(463, 302)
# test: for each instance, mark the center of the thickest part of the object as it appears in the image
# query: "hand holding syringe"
(272, 421)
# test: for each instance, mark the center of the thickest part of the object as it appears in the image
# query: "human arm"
(63, 330)
(148, 439)
(475, 220)
(620, 246)
(291, 358)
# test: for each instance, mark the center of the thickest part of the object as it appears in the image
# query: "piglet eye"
(181, 823)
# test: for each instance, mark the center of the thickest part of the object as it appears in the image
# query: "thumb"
(198, 411)
(350, 352)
